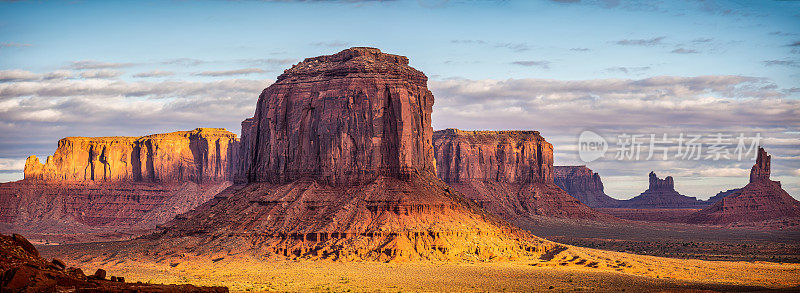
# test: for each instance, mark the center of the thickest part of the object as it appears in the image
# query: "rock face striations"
(204, 154)
(509, 173)
(583, 184)
(119, 181)
(661, 194)
(342, 119)
(341, 167)
(762, 202)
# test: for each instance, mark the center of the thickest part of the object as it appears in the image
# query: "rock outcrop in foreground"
(200, 155)
(762, 202)
(661, 194)
(342, 167)
(23, 270)
(583, 184)
(509, 173)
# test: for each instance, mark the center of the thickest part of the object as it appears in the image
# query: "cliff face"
(762, 202)
(204, 154)
(342, 167)
(244, 153)
(343, 119)
(510, 173)
(583, 184)
(503, 156)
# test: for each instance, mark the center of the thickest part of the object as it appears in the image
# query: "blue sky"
(93, 68)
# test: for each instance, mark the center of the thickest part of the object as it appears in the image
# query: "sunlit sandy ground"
(574, 268)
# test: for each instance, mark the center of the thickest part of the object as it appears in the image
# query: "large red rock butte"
(583, 184)
(342, 167)
(661, 194)
(509, 173)
(762, 202)
(345, 118)
(119, 181)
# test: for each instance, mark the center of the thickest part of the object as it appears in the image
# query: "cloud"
(641, 42)
(540, 63)
(579, 49)
(684, 51)
(102, 73)
(243, 71)
(17, 75)
(516, 47)
(796, 172)
(479, 42)
(267, 61)
(791, 63)
(795, 44)
(59, 74)
(154, 73)
(7, 164)
(13, 45)
(35, 114)
(702, 40)
(91, 64)
(724, 172)
(184, 62)
(335, 44)
(626, 70)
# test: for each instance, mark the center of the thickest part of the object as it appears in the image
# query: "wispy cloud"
(702, 40)
(641, 42)
(538, 63)
(243, 71)
(17, 75)
(516, 47)
(333, 44)
(628, 69)
(184, 62)
(791, 63)
(579, 49)
(100, 73)
(684, 51)
(91, 64)
(154, 73)
(479, 42)
(13, 45)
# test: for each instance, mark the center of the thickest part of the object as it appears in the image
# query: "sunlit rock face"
(119, 181)
(200, 155)
(510, 173)
(343, 119)
(583, 184)
(762, 202)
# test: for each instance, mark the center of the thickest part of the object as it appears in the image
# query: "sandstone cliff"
(343, 119)
(342, 167)
(244, 153)
(762, 202)
(583, 184)
(204, 154)
(661, 194)
(510, 173)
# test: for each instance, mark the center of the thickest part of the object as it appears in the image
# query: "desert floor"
(575, 269)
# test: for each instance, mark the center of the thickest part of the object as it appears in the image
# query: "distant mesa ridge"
(200, 155)
(509, 173)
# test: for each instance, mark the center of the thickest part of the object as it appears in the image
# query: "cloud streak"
(641, 42)
(243, 71)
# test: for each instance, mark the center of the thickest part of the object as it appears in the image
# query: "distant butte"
(762, 202)
(661, 194)
(583, 184)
